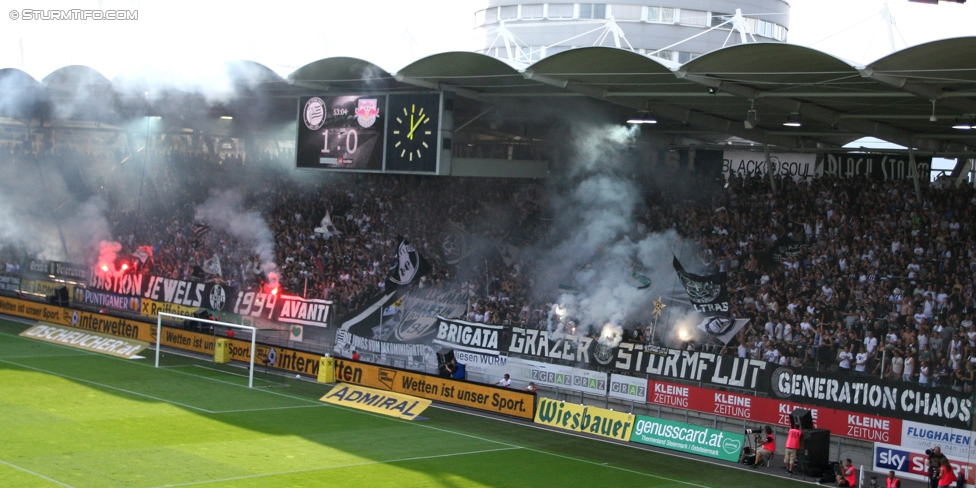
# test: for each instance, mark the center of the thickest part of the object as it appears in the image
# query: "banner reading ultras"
(498, 400)
(693, 439)
(341, 132)
(581, 418)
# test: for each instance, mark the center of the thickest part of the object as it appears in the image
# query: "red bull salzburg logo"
(367, 112)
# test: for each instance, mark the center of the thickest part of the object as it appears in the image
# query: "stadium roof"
(705, 100)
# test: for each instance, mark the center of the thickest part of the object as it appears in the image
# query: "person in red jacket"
(946, 476)
(848, 476)
(891, 481)
(768, 447)
(792, 445)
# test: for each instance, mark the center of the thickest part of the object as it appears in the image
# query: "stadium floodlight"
(174, 317)
(793, 120)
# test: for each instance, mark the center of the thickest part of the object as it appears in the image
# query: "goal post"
(184, 318)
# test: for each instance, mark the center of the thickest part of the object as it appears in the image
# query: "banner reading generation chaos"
(899, 399)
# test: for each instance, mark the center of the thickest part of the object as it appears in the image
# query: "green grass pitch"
(79, 419)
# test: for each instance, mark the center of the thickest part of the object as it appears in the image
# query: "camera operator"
(847, 475)
(935, 465)
(768, 447)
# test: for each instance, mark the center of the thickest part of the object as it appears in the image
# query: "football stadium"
(640, 244)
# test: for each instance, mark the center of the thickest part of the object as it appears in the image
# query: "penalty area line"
(39, 370)
(52, 480)
(268, 408)
(340, 466)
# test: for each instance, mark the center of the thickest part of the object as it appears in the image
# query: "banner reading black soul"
(903, 400)
(879, 167)
(708, 294)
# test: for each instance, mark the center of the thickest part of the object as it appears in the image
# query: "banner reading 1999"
(341, 132)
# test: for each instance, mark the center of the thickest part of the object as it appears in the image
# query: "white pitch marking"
(106, 386)
(341, 466)
(52, 480)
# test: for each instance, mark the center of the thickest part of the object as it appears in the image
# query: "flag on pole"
(212, 266)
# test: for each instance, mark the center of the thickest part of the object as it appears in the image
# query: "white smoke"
(225, 211)
(597, 245)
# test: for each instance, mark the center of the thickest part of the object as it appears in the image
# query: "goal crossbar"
(254, 335)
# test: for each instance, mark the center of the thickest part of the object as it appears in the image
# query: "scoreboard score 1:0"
(341, 132)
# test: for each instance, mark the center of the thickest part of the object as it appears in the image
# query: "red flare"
(105, 268)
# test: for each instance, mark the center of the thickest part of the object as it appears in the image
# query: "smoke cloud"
(596, 245)
(225, 211)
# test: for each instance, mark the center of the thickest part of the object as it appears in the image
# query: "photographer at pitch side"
(768, 447)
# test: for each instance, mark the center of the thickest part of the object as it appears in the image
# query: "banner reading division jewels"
(693, 439)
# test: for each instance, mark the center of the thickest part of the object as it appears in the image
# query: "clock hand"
(413, 127)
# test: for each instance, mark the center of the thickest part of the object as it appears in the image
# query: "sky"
(286, 34)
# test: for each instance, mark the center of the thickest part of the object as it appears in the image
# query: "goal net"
(199, 335)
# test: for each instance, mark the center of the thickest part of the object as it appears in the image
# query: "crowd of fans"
(882, 284)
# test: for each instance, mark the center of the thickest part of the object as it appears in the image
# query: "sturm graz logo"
(314, 113)
(602, 353)
(406, 266)
(719, 325)
(217, 298)
(700, 291)
(781, 375)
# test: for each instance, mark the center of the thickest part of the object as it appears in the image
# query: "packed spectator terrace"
(883, 285)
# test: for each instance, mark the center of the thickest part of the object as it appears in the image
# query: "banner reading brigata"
(498, 400)
(906, 401)
(693, 439)
(772, 411)
(581, 418)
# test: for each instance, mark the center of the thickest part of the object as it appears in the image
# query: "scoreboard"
(396, 133)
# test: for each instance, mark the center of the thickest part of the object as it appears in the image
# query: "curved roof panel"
(76, 78)
(472, 70)
(954, 59)
(769, 62)
(608, 67)
(347, 72)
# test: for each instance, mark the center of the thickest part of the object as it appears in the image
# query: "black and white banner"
(456, 243)
(409, 266)
(58, 269)
(867, 394)
(746, 163)
(9, 283)
(402, 317)
(722, 328)
(714, 369)
(708, 294)
(298, 310)
(880, 167)
(552, 345)
(211, 296)
(468, 336)
(107, 300)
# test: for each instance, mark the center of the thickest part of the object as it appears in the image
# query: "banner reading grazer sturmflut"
(581, 418)
(683, 437)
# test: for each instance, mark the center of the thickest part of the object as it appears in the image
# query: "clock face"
(412, 132)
